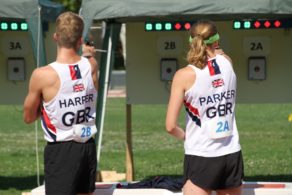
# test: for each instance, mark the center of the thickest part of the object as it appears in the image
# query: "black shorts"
(214, 173)
(70, 167)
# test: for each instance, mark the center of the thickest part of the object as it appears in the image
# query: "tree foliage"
(70, 5)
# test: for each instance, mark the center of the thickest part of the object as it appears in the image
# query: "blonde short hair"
(69, 28)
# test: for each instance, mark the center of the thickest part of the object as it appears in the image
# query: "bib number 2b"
(83, 133)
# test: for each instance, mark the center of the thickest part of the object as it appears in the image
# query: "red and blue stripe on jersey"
(193, 113)
(48, 126)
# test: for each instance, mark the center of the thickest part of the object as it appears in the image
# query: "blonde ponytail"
(197, 54)
(199, 39)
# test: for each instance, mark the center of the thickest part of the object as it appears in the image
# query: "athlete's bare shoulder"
(45, 73)
(186, 73)
(221, 52)
(44, 77)
(187, 70)
(185, 77)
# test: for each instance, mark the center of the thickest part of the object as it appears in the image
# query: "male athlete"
(63, 94)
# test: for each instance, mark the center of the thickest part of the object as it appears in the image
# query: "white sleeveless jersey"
(210, 106)
(73, 104)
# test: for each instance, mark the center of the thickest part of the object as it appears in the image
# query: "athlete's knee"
(190, 188)
(230, 191)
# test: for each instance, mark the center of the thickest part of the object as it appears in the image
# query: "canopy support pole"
(129, 149)
(107, 60)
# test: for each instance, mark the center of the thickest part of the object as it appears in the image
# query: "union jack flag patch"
(217, 83)
(78, 87)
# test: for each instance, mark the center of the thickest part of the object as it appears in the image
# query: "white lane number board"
(257, 46)
(169, 45)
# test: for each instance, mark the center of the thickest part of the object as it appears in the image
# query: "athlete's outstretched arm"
(94, 71)
(88, 51)
(31, 107)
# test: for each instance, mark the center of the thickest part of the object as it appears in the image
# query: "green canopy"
(127, 10)
(140, 10)
(30, 11)
(122, 11)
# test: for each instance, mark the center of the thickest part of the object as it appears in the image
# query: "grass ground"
(265, 134)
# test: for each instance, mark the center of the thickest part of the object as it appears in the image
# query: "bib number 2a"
(82, 133)
(220, 129)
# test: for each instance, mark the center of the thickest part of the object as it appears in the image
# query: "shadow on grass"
(30, 182)
(273, 178)
(265, 178)
(19, 183)
(170, 176)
